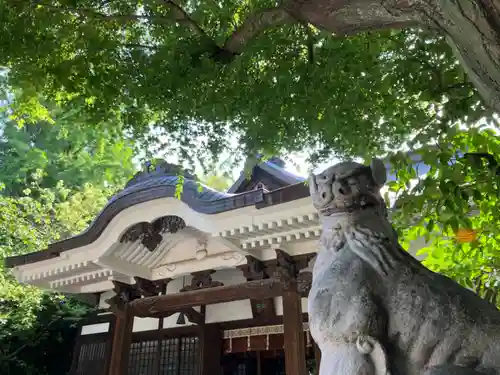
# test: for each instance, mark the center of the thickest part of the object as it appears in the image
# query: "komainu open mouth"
(363, 203)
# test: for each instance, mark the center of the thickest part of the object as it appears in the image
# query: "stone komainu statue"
(373, 308)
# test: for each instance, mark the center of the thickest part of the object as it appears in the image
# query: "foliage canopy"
(54, 179)
(42, 154)
(458, 192)
(126, 68)
(144, 64)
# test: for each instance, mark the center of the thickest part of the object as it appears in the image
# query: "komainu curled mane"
(373, 308)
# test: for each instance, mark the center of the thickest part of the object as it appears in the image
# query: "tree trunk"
(472, 28)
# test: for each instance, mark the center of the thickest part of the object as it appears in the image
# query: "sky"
(295, 163)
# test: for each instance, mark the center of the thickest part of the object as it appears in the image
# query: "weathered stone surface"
(373, 308)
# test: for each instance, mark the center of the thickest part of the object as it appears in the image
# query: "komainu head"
(348, 187)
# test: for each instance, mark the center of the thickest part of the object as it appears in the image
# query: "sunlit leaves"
(41, 154)
(126, 66)
(457, 193)
(54, 177)
(216, 182)
(356, 96)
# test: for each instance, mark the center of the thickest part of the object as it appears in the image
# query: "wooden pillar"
(293, 332)
(210, 349)
(122, 339)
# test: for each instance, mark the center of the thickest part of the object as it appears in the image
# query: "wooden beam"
(293, 333)
(258, 289)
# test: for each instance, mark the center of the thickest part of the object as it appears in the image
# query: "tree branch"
(234, 45)
(182, 16)
(254, 25)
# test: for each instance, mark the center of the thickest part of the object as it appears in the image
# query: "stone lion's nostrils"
(346, 185)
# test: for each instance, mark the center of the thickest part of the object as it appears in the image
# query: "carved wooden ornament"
(286, 270)
(202, 280)
(151, 234)
(124, 293)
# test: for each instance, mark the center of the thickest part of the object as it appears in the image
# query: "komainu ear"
(379, 171)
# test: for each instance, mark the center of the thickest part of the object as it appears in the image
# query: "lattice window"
(142, 358)
(241, 369)
(169, 357)
(91, 359)
(173, 356)
(188, 356)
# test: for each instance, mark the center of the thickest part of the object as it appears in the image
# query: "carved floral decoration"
(151, 234)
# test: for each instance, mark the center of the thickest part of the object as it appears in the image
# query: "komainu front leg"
(371, 347)
(345, 360)
(364, 357)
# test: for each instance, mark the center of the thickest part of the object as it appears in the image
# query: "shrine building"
(211, 283)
